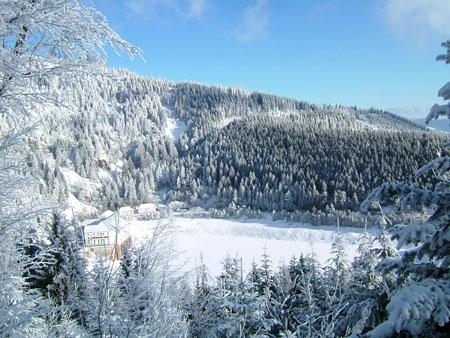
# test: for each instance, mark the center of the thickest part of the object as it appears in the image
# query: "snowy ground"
(214, 239)
(174, 127)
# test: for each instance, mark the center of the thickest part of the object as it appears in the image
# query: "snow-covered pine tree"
(69, 285)
(38, 39)
(336, 277)
(420, 302)
(100, 317)
(238, 310)
(439, 110)
(297, 303)
(364, 294)
(310, 311)
(61, 276)
(337, 272)
(199, 310)
(137, 298)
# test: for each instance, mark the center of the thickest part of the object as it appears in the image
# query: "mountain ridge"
(116, 131)
(440, 125)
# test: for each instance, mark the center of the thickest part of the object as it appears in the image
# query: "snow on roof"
(127, 208)
(147, 205)
(88, 221)
(106, 214)
(105, 224)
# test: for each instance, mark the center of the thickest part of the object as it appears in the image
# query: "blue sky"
(377, 53)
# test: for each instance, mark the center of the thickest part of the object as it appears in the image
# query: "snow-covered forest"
(229, 150)
(66, 118)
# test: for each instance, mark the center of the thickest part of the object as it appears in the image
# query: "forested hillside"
(239, 150)
(74, 131)
(269, 164)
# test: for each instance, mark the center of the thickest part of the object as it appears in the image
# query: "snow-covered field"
(214, 239)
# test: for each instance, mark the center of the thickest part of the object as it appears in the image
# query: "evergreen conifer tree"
(419, 302)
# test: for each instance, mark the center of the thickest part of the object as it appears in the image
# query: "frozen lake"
(214, 239)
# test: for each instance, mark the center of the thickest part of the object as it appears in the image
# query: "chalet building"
(108, 236)
(126, 212)
(146, 208)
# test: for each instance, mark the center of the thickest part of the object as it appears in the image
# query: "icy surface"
(214, 239)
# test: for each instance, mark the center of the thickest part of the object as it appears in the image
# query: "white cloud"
(146, 9)
(135, 6)
(416, 111)
(197, 9)
(254, 20)
(420, 21)
(151, 9)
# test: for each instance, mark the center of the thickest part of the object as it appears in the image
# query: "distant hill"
(442, 124)
(116, 140)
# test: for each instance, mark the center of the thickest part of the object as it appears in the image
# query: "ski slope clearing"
(174, 127)
(214, 239)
